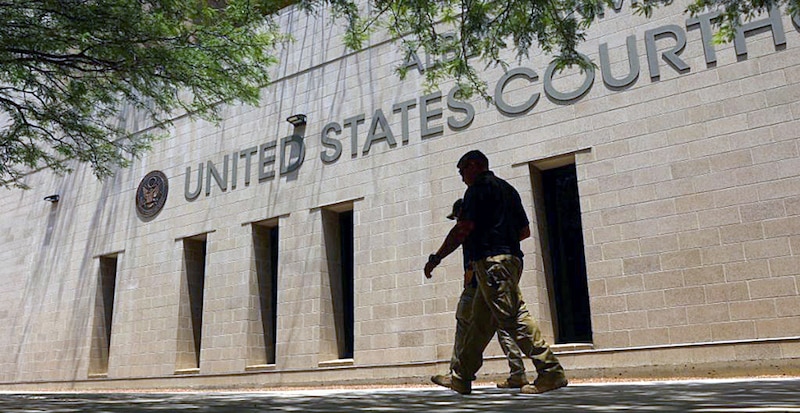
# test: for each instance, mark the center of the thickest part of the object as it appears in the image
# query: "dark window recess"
(104, 312)
(265, 239)
(347, 257)
(191, 307)
(568, 263)
(273, 274)
(336, 300)
(108, 280)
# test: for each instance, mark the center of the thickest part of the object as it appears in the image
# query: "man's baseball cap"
(456, 209)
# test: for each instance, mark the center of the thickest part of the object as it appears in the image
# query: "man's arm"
(521, 217)
(454, 238)
(524, 232)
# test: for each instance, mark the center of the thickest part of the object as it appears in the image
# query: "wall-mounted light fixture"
(297, 120)
(52, 198)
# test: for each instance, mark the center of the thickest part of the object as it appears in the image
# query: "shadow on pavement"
(740, 396)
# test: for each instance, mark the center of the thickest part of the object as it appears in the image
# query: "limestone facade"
(689, 188)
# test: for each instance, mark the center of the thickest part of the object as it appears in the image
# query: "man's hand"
(524, 232)
(454, 238)
(433, 261)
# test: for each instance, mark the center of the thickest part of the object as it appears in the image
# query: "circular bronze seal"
(152, 194)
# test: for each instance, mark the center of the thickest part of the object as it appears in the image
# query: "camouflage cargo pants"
(516, 364)
(498, 297)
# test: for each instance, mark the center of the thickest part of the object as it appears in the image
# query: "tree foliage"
(67, 67)
(482, 29)
(732, 12)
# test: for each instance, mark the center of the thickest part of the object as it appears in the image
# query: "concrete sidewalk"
(707, 396)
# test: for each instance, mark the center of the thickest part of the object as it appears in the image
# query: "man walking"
(492, 224)
(516, 364)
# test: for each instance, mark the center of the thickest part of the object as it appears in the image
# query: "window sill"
(260, 367)
(560, 348)
(336, 363)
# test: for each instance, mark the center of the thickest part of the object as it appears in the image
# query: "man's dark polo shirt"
(494, 206)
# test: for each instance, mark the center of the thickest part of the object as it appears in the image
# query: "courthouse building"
(663, 189)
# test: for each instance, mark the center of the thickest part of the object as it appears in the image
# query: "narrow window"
(103, 315)
(346, 240)
(338, 298)
(264, 293)
(190, 321)
(561, 233)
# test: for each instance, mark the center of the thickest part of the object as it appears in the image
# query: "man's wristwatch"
(434, 259)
